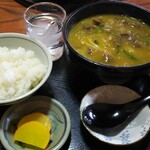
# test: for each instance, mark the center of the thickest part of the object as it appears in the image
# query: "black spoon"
(102, 116)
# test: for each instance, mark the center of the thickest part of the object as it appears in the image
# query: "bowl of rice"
(25, 65)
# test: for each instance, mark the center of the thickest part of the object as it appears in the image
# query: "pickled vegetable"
(36, 116)
(33, 133)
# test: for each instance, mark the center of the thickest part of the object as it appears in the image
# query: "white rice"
(20, 71)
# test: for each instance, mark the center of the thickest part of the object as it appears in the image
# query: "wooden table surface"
(11, 15)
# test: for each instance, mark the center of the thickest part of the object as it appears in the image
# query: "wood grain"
(11, 15)
(144, 3)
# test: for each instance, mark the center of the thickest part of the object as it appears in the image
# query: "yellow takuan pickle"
(36, 116)
(33, 133)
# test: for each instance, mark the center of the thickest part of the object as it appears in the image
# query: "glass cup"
(44, 21)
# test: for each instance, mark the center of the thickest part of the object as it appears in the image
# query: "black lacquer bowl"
(106, 73)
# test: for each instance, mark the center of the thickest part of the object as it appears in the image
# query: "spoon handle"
(142, 101)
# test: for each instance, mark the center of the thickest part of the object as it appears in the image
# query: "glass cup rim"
(44, 3)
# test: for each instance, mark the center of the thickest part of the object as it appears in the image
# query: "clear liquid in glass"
(47, 28)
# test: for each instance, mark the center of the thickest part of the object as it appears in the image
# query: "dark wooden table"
(67, 84)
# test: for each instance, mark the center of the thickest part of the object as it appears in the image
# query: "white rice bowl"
(25, 65)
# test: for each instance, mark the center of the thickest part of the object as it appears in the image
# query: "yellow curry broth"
(112, 39)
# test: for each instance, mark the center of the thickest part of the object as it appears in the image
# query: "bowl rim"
(51, 4)
(91, 61)
(48, 71)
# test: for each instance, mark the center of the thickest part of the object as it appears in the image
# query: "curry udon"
(112, 39)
